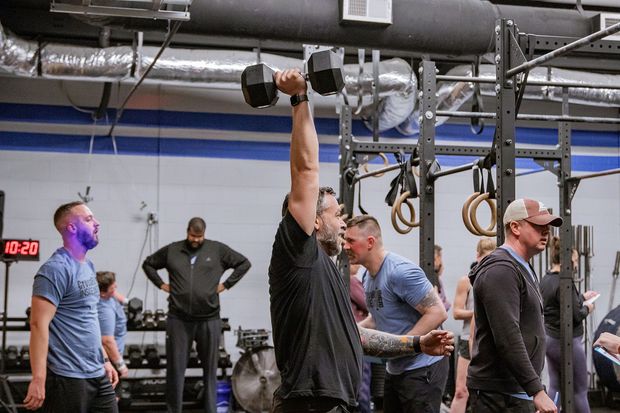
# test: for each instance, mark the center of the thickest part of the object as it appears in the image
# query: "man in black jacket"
(509, 346)
(195, 267)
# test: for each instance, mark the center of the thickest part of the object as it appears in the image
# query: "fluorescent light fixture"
(144, 9)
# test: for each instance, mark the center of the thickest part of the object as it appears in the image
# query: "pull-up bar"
(563, 50)
(594, 175)
(526, 116)
(529, 82)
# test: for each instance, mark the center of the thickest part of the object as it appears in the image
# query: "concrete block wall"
(239, 198)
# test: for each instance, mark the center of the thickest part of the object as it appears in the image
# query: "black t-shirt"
(317, 344)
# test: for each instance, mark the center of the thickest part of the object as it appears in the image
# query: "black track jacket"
(193, 282)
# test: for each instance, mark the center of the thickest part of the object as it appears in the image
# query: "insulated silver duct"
(206, 68)
(17, 56)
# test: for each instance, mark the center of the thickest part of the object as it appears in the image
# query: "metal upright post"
(566, 272)
(347, 188)
(426, 150)
(504, 141)
(347, 185)
(5, 391)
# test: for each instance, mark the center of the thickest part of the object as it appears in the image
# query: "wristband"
(297, 99)
(416, 344)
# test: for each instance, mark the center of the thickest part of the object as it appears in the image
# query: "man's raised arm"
(304, 153)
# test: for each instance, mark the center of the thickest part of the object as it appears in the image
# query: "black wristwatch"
(297, 99)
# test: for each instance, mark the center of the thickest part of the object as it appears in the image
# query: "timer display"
(20, 249)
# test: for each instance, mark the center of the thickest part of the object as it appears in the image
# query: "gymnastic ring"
(396, 207)
(474, 219)
(386, 162)
(465, 214)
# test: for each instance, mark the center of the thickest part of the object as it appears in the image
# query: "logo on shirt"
(374, 299)
(88, 287)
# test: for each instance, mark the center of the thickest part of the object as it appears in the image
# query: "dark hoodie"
(509, 347)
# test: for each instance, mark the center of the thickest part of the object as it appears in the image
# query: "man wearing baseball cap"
(509, 346)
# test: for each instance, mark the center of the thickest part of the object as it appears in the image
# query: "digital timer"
(20, 249)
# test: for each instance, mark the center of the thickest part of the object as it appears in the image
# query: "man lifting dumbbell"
(317, 344)
(258, 82)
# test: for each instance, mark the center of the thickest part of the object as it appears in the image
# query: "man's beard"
(89, 241)
(330, 241)
(193, 246)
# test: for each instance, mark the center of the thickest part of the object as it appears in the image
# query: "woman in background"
(464, 310)
(550, 289)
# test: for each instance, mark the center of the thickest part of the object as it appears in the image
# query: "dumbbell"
(152, 356)
(135, 356)
(199, 390)
(28, 310)
(149, 319)
(160, 318)
(223, 361)
(324, 73)
(11, 358)
(24, 355)
(134, 312)
(125, 396)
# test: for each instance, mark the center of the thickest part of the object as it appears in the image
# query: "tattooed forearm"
(380, 344)
(429, 300)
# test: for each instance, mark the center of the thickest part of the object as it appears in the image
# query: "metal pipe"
(464, 27)
(595, 175)
(377, 172)
(530, 116)
(451, 171)
(448, 78)
(615, 28)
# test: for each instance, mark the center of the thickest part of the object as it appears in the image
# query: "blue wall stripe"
(271, 151)
(282, 124)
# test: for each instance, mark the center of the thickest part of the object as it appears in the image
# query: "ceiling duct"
(435, 27)
(205, 68)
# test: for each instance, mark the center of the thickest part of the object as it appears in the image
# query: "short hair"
(105, 279)
(197, 225)
(64, 210)
(320, 202)
(486, 245)
(367, 223)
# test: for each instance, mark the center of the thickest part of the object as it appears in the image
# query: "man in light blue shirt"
(112, 320)
(401, 301)
(70, 371)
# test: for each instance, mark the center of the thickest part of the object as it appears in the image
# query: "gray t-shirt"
(113, 321)
(391, 297)
(74, 336)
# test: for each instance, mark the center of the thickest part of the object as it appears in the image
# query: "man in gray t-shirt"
(70, 371)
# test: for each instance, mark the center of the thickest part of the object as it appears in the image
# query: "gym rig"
(512, 68)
